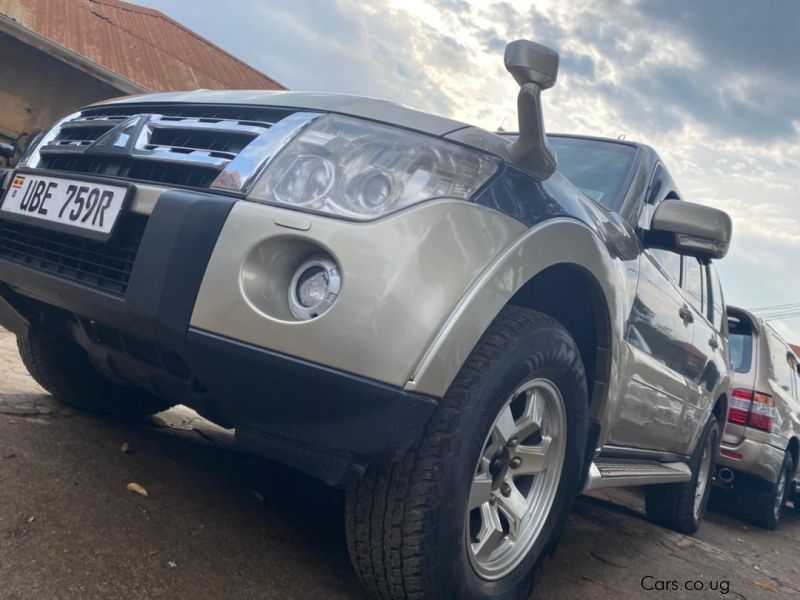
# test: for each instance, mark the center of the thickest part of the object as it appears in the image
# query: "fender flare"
(553, 242)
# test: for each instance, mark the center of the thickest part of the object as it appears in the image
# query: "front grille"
(170, 174)
(104, 266)
(180, 144)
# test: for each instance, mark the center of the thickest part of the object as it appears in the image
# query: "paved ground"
(218, 524)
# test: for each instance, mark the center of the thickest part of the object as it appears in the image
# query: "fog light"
(314, 287)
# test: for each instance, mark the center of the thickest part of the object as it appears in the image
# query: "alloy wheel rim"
(516, 478)
(702, 478)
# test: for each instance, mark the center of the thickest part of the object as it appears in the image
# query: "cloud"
(456, 6)
(714, 86)
(577, 65)
(755, 39)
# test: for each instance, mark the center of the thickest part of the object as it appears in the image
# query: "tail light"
(739, 411)
(753, 409)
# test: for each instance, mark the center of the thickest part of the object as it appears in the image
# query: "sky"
(713, 85)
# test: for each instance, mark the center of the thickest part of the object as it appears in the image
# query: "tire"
(765, 500)
(677, 506)
(407, 522)
(796, 496)
(62, 368)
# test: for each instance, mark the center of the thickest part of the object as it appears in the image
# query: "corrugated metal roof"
(140, 44)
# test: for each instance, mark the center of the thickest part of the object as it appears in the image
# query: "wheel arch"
(562, 250)
(720, 411)
(571, 295)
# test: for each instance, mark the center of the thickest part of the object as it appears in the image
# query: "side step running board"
(609, 473)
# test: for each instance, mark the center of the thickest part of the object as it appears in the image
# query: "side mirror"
(691, 229)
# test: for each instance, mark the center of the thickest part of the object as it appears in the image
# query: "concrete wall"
(36, 89)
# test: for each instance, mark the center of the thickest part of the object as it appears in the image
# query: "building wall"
(37, 89)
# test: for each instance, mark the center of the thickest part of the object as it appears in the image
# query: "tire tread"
(672, 505)
(404, 494)
(63, 369)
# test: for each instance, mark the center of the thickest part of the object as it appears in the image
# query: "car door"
(706, 358)
(658, 338)
(794, 417)
(782, 376)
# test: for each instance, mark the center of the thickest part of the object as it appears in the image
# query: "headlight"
(361, 170)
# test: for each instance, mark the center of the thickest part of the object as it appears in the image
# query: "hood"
(357, 106)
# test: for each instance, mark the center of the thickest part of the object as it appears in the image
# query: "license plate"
(85, 208)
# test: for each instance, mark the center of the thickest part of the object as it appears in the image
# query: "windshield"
(597, 168)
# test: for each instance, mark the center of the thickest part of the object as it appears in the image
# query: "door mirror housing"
(690, 229)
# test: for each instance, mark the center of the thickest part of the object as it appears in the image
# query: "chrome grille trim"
(240, 173)
(220, 148)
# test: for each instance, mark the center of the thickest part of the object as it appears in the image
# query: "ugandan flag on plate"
(17, 184)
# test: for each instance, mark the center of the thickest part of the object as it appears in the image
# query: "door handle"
(686, 315)
(713, 343)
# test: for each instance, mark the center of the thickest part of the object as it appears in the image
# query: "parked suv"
(424, 313)
(760, 452)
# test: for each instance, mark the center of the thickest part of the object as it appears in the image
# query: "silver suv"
(427, 314)
(760, 451)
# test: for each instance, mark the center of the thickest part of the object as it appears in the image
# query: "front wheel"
(62, 368)
(681, 506)
(474, 509)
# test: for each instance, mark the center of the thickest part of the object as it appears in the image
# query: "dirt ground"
(219, 524)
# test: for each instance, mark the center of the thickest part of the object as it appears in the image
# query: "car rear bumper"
(323, 420)
(758, 459)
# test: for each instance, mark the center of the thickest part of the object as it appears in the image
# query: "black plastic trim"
(13, 314)
(61, 293)
(173, 255)
(332, 415)
(622, 452)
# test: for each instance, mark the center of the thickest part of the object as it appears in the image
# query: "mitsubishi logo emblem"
(123, 138)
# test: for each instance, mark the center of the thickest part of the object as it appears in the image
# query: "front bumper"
(759, 459)
(324, 420)
(402, 277)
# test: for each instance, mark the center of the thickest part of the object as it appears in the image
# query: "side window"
(670, 262)
(740, 334)
(782, 369)
(693, 282)
(718, 300)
